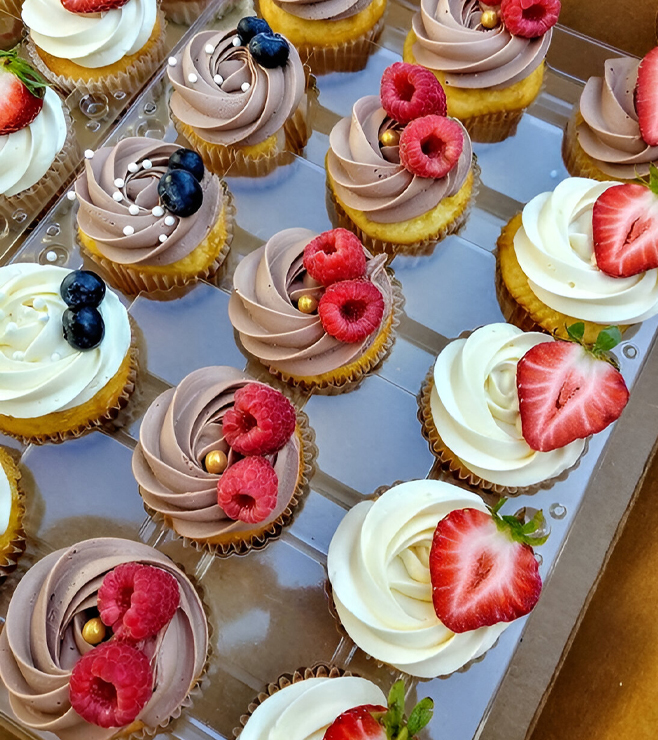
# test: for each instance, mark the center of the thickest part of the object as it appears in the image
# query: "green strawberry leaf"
(653, 178)
(608, 339)
(520, 532)
(32, 80)
(576, 332)
(395, 714)
(420, 716)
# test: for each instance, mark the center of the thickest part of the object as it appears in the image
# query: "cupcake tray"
(269, 610)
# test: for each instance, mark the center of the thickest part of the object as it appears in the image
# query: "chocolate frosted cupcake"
(150, 215)
(603, 140)
(200, 442)
(239, 102)
(321, 331)
(67, 626)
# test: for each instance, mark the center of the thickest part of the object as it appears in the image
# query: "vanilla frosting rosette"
(378, 564)
(178, 431)
(49, 388)
(294, 345)
(470, 413)
(606, 127)
(125, 228)
(234, 110)
(42, 638)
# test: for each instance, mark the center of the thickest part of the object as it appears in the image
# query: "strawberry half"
(625, 228)
(373, 722)
(646, 97)
(483, 568)
(21, 93)
(568, 391)
(92, 6)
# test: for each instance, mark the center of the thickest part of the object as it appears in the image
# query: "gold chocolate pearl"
(216, 462)
(94, 631)
(389, 137)
(489, 18)
(307, 304)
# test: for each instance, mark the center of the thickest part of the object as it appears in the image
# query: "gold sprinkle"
(307, 304)
(389, 137)
(489, 19)
(94, 631)
(216, 462)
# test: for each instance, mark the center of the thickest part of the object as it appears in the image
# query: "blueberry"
(269, 50)
(83, 327)
(180, 192)
(186, 159)
(249, 26)
(82, 288)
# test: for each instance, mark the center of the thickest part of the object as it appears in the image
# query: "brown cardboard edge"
(552, 627)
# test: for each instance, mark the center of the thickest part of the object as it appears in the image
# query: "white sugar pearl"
(236, 41)
(44, 318)
(128, 230)
(210, 49)
(51, 256)
(133, 167)
(219, 80)
(133, 210)
(192, 78)
(117, 196)
(39, 302)
(170, 221)
(89, 154)
(163, 238)
(158, 211)
(11, 327)
(147, 164)
(71, 195)
(55, 356)
(172, 61)
(119, 183)
(245, 86)
(18, 355)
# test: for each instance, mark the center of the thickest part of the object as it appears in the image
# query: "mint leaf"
(607, 339)
(420, 716)
(576, 332)
(395, 714)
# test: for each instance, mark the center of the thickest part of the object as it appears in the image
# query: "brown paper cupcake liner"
(129, 81)
(424, 247)
(16, 547)
(12, 7)
(273, 530)
(131, 280)
(319, 670)
(491, 128)
(348, 377)
(184, 12)
(36, 197)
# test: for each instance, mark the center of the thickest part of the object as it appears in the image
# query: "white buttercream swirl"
(304, 710)
(378, 565)
(40, 372)
(555, 250)
(26, 155)
(475, 408)
(91, 40)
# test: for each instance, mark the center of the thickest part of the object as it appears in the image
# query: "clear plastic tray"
(269, 610)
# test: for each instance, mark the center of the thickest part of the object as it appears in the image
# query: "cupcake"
(488, 57)
(185, 12)
(549, 273)
(97, 46)
(37, 149)
(330, 36)
(492, 418)
(400, 174)
(612, 134)
(103, 638)
(12, 510)
(401, 571)
(151, 215)
(239, 98)
(323, 702)
(66, 362)
(224, 460)
(318, 311)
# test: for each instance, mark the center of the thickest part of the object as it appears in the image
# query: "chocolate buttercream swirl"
(42, 638)
(180, 428)
(214, 103)
(267, 285)
(129, 239)
(370, 178)
(610, 131)
(323, 10)
(451, 39)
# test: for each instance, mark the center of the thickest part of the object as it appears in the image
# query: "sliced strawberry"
(567, 392)
(360, 723)
(625, 229)
(483, 570)
(92, 6)
(646, 97)
(21, 93)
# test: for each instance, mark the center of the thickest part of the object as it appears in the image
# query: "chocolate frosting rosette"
(151, 216)
(282, 306)
(239, 99)
(202, 442)
(103, 636)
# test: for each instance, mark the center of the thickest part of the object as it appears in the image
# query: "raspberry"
(409, 91)
(431, 146)
(350, 311)
(248, 490)
(335, 255)
(111, 684)
(137, 601)
(529, 18)
(261, 421)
